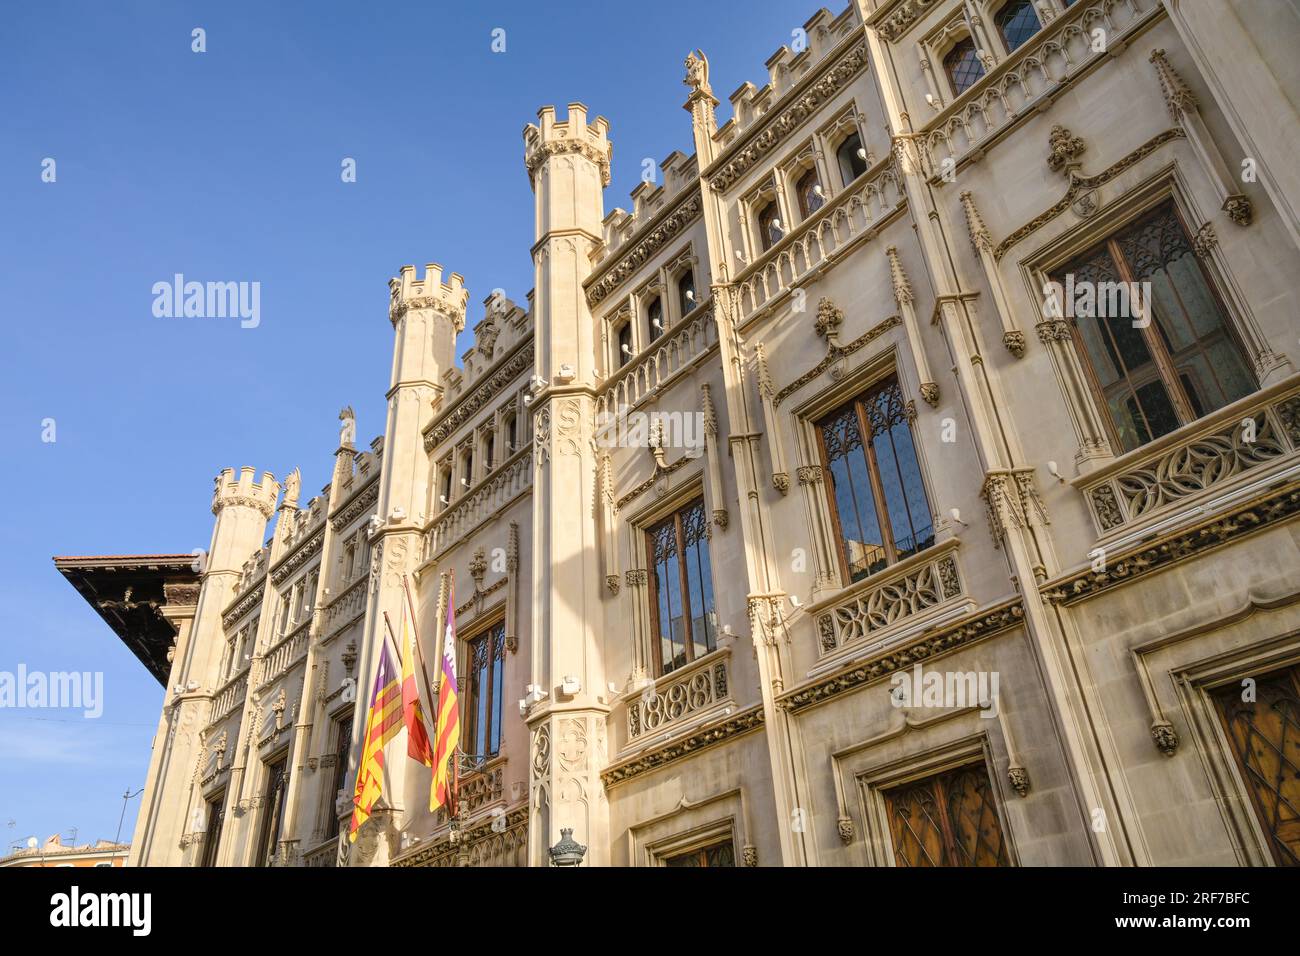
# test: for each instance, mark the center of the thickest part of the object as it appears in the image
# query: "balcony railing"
(885, 602)
(282, 656)
(659, 364)
(694, 691)
(349, 603)
(229, 697)
(1250, 442)
(483, 501)
(856, 211)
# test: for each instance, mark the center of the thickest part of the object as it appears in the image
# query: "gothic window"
(299, 596)
(285, 612)
(878, 500)
(809, 191)
(769, 225)
(342, 751)
(487, 656)
(1265, 737)
(721, 853)
(349, 561)
(1017, 22)
(686, 292)
(949, 819)
(654, 315)
(273, 798)
(851, 157)
(312, 582)
(962, 66)
(1171, 364)
(489, 452)
(467, 468)
(625, 343)
(446, 485)
(512, 435)
(216, 816)
(681, 587)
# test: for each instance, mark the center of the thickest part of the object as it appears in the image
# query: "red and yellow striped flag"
(413, 707)
(383, 722)
(447, 727)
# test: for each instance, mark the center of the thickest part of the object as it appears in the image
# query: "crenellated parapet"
(447, 298)
(245, 492)
(575, 135)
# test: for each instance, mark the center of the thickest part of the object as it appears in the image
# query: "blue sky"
(225, 166)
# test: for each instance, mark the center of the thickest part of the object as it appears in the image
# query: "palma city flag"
(447, 726)
(383, 722)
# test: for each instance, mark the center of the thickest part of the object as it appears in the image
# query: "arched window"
(467, 468)
(809, 191)
(852, 158)
(654, 316)
(770, 229)
(1017, 22)
(512, 438)
(962, 66)
(624, 343)
(446, 484)
(489, 451)
(686, 292)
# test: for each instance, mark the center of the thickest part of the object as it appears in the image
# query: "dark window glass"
(808, 189)
(769, 228)
(852, 158)
(1017, 22)
(486, 693)
(1159, 371)
(273, 797)
(212, 830)
(625, 343)
(681, 580)
(962, 66)
(721, 853)
(686, 292)
(342, 752)
(878, 500)
(489, 452)
(654, 314)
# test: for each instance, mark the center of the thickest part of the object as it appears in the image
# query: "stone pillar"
(426, 314)
(568, 165)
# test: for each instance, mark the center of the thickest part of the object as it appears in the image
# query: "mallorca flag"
(383, 721)
(448, 724)
(417, 732)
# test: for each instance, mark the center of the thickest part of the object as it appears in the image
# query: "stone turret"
(568, 164)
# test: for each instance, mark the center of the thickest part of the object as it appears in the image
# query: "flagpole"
(419, 658)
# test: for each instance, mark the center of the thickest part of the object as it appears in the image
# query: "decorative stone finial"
(697, 72)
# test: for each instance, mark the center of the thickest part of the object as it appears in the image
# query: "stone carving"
(691, 694)
(1018, 777)
(657, 233)
(1064, 150)
(697, 72)
(889, 602)
(1165, 737)
(728, 728)
(348, 430)
(844, 826)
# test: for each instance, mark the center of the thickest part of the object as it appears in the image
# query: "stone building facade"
(798, 518)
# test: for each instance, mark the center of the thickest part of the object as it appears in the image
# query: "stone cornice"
(241, 605)
(929, 644)
(494, 381)
(357, 504)
(804, 101)
(298, 556)
(543, 151)
(736, 725)
(1146, 559)
(649, 239)
(893, 20)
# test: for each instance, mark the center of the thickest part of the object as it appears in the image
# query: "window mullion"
(686, 592)
(877, 486)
